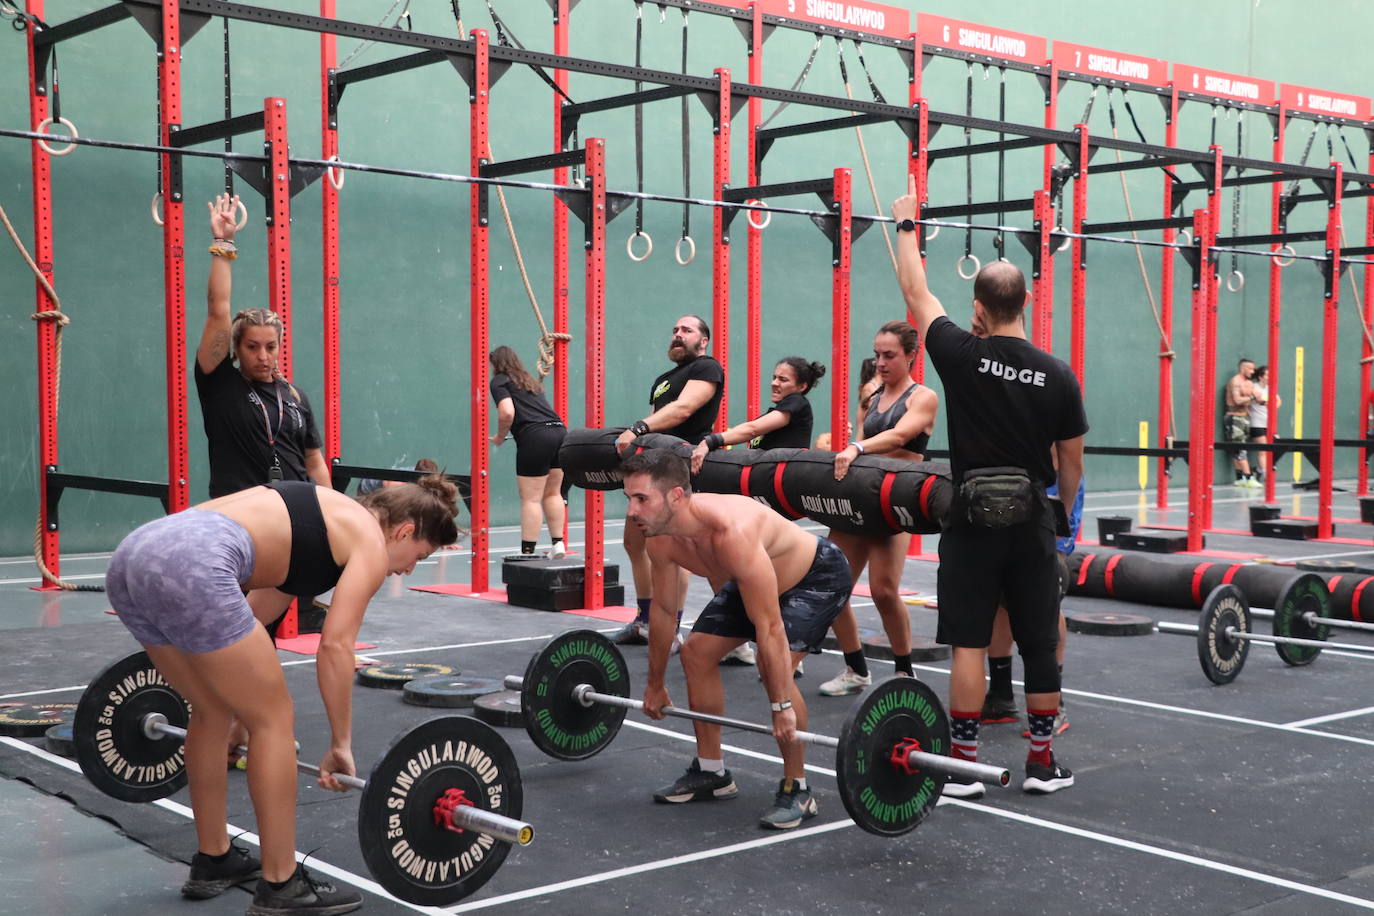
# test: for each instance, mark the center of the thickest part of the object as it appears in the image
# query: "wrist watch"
(779, 707)
(906, 225)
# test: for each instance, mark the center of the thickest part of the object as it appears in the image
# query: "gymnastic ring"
(42, 128)
(1063, 244)
(959, 267)
(330, 172)
(239, 224)
(1235, 281)
(630, 245)
(157, 199)
(934, 231)
(1187, 236)
(8, 13)
(691, 251)
(1282, 262)
(749, 215)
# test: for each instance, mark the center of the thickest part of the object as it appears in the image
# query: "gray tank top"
(877, 421)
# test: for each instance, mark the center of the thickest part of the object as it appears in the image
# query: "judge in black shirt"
(1007, 404)
(684, 402)
(259, 426)
(787, 424)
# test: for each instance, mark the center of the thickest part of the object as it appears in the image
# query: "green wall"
(404, 242)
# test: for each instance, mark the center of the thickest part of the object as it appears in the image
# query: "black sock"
(278, 885)
(999, 671)
(643, 615)
(902, 664)
(221, 858)
(556, 540)
(857, 662)
(527, 546)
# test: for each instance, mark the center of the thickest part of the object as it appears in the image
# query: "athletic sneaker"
(845, 683)
(957, 788)
(997, 709)
(791, 806)
(743, 654)
(558, 551)
(210, 878)
(303, 893)
(1043, 779)
(695, 785)
(634, 633)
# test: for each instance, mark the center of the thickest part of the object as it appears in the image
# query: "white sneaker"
(845, 683)
(954, 789)
(743, 654)
(558, 551)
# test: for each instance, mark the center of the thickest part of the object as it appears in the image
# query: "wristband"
(639, 428)
(858, 445)
(715, 441)
(779, 707)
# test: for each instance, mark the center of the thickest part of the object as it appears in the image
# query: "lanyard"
(281, 413)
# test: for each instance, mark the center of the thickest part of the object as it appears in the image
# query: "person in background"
(522, 410)
(1257, 414)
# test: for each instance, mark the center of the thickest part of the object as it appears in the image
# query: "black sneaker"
(1043, 780)
(210, 878)
(998, 709)
(791, 806)
(694, 785)
(303, 893)
(634, 633)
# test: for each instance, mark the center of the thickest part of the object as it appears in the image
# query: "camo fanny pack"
(997, 497)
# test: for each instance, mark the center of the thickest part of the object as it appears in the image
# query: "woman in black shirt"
(787, 424)
(522, 410)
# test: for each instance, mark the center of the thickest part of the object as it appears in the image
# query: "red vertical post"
(754, 289)
(842, 208)
(174, 261)
(1078, 294)
(720, 247)
(1275, 301)
(1366, 352)
(594, 337)
(1213, 288)
(478, 144)
(1326, 450)
(561, 28)
(279, 223)
(1042, 278)
(47, 329)
(1200, 460)
(329, 233)
(917, 164)
(1165, 431)
(1042, 305)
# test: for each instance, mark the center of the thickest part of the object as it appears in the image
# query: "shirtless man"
(775, 584)
(1240, 391)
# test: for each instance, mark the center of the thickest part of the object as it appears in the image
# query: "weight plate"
(923, 648)
(1326, 566)
(32, 720)
(557, 723)
(407, 852)
(395, 677)
(448, 692)
(1305, 594)
(111, 747)
(58, 738)
(1093, 623)
(1223, 656)
(502, 708)
(879, 796)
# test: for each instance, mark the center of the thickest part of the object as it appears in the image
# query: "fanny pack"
(997, 497)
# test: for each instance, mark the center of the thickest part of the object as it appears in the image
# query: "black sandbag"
(724, 471)
(766, 483)
(590, 461)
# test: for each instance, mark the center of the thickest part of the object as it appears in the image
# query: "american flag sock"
(1041, 733)
(963, 730)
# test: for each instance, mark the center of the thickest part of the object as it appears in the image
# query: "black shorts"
(980, 567)
(808, 608)
(1258, 432)
(536, 449)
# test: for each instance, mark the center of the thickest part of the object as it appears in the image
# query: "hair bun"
(441, 487)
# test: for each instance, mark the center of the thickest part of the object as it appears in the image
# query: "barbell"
(436, 817)
(890, 758)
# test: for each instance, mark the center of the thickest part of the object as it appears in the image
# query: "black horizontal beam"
(343, 78)
(81, 25)
(977, 149)
(58, 483)
(1271, 237)
(1140, 225)
(783, 189)
(217, 130)
(577, 109)
(994, 206)
(547, 163)
(1132, 165)
(340, 475)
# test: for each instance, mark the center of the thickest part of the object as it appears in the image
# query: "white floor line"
(632, 870)
(734, 749)
(316, 864)
(1317, 720)
(38, 580)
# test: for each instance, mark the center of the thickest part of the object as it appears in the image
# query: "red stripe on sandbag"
(1332, 583)
(924, 496)
(1083, 567)
(885, 500)
(777, 490)
(1230, 574)
(1196, 586)
(1107, 574)
(1355, 599)
(744, 480)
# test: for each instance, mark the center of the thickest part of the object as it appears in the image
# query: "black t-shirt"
(668, 386)
(530, 409)
(1006, 401)
(241, 450)
(797, 432)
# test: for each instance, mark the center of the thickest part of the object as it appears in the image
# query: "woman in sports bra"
(896, 422)
(196, 589)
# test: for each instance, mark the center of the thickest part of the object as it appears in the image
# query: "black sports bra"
(876, 421)
(312, 570)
